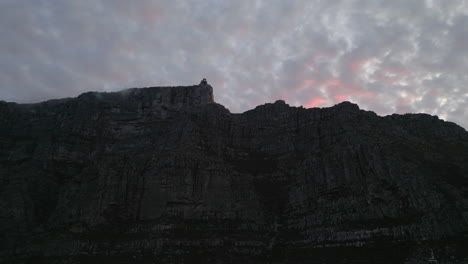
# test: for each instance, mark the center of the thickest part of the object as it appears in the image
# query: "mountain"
(166, 175)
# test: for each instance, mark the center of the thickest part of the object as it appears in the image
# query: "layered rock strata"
(166, 175)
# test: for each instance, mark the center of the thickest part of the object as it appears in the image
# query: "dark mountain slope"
(166, 175)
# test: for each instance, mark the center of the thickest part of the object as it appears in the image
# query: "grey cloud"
(387, 56)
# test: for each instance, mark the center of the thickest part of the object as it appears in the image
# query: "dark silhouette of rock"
(204, 82)
(166, 175)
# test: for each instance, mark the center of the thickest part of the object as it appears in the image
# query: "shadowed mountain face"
(166, 175)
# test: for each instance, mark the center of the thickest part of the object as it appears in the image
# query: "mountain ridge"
(128, 91)
(166, 174)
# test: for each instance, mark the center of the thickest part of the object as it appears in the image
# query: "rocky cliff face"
(166, 175)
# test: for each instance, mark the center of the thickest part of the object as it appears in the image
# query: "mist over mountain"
(167, 175)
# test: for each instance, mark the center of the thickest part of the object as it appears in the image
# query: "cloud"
(387, 56)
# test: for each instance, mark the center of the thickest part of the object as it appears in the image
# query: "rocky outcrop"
(166, 175)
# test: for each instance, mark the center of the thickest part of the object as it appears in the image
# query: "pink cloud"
(316, 102)
(341, 91)
(341, 97)
(305, 84)
(333, 88)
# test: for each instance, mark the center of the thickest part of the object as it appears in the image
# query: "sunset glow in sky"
(398, 56)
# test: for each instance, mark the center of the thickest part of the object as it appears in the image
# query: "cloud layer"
(388, 56)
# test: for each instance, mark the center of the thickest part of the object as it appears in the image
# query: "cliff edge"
(166, 175)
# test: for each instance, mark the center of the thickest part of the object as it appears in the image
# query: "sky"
(398, 56)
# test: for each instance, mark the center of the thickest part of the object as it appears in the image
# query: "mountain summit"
(166, 175)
